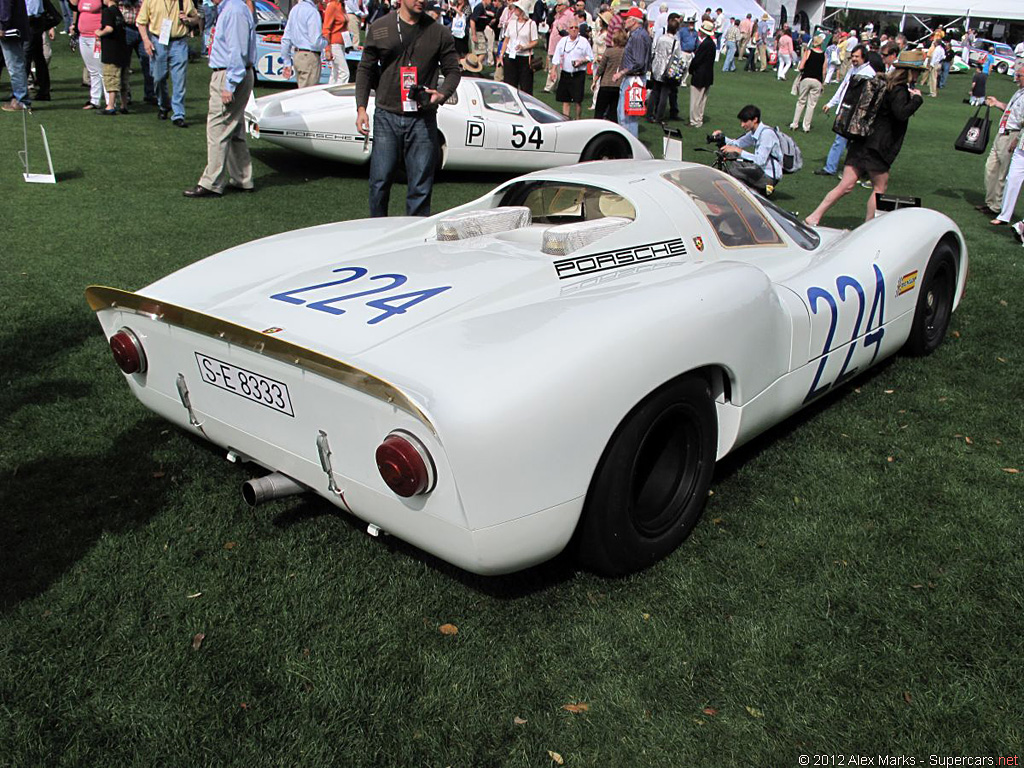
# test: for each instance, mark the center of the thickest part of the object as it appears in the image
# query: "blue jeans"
(134, 41)
(832, 161)
(173, 59)
(944, 73)
(14, 56)
(68, 13)
(412, 137)
(629, 122)
(730, 57)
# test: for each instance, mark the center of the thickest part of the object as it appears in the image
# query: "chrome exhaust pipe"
(272, 486)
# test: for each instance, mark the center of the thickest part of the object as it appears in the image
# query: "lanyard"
(407, 52)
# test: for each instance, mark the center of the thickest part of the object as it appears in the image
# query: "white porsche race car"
(562, 359)
(486, 126)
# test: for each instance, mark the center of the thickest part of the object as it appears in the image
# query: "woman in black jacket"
(874, 155)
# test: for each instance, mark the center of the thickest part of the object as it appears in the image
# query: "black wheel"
(652, 481)
(1002, 67)
(934, 303)
(607, 146)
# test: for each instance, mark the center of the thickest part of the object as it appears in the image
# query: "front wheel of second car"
(606, 146)
(652, 481)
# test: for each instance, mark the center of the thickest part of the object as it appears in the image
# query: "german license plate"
(244, 383)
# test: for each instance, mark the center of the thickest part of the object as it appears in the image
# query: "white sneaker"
(1018, 231)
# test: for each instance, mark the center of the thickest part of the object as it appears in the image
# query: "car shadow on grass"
(510, 586)
(57, 507)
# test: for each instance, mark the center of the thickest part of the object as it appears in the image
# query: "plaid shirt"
(129, 9)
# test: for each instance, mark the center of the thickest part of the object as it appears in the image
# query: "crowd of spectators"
(604, 58)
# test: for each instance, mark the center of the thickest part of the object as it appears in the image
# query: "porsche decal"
(575, 266)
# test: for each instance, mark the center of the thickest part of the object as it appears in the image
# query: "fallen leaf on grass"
(889, 391)
(943, 399)
(645, 616)
(968, 441)
(519, 720)
(717, 521)
(890, 459)
(243, 705)
(907, 697)
(916, 586)
(194, 596)
(449, 629)
(576, 708)
(956, 334)
(1001, 359)
(754, 712)
(710, 711)
(1002, 303)
(1011, 470)
(159, 474)
(557, 758)
(230, 545)
(197, 641)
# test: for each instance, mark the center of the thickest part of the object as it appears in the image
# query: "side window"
(499, 98)
(735, 218)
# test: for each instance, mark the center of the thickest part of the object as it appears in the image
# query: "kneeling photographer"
(756, 155)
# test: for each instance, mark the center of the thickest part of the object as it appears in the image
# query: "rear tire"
(607, 146)
(934, 303)
(1002, 67)
(652, 482)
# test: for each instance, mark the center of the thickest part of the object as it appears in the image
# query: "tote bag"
(974, 137)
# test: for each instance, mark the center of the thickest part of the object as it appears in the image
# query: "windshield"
(737, 221)
(540, 111)
(268, 14)
(800, 233)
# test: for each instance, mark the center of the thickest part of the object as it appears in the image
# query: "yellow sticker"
(906, 283)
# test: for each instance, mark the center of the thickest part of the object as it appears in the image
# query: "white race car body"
(514, 357)
(488, 126)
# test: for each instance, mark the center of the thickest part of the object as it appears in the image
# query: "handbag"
(636, 99)
(974, 137)
(536, 62)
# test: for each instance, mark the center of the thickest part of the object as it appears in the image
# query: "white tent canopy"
(976, 9)
(733, 9)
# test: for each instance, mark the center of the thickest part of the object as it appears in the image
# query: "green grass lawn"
(854, 587)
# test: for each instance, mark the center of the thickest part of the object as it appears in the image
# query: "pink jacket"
(562, 22)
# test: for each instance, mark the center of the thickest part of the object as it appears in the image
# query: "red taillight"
(128, 352)
(405, 465)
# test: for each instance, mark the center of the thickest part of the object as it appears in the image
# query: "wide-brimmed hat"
(523, 5)
(606, 16)
(472, 62)
(817, 40)
(707, 27)
(911, 59)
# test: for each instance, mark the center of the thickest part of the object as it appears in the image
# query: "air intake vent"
(462, 226)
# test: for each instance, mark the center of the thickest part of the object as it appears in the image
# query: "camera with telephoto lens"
(718, 141)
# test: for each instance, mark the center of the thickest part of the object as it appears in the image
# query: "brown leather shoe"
(199, 191)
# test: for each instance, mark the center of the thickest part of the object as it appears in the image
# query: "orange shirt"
(335, 22)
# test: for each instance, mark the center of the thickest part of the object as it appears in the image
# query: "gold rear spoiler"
(101, 297)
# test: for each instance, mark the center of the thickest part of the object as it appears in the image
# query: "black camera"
(418, 93)
(718, 141)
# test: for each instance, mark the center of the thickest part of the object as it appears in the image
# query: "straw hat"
(911, 59)
(707, 27)
(472, 62)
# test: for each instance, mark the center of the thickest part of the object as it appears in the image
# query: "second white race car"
(486, 126)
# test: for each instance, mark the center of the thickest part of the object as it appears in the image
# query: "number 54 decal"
(393, 304)
(520, 139)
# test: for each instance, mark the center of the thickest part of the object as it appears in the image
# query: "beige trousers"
(698, 101)
(227, 154)
(807, 99)
(996, 166)
(307, 68)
